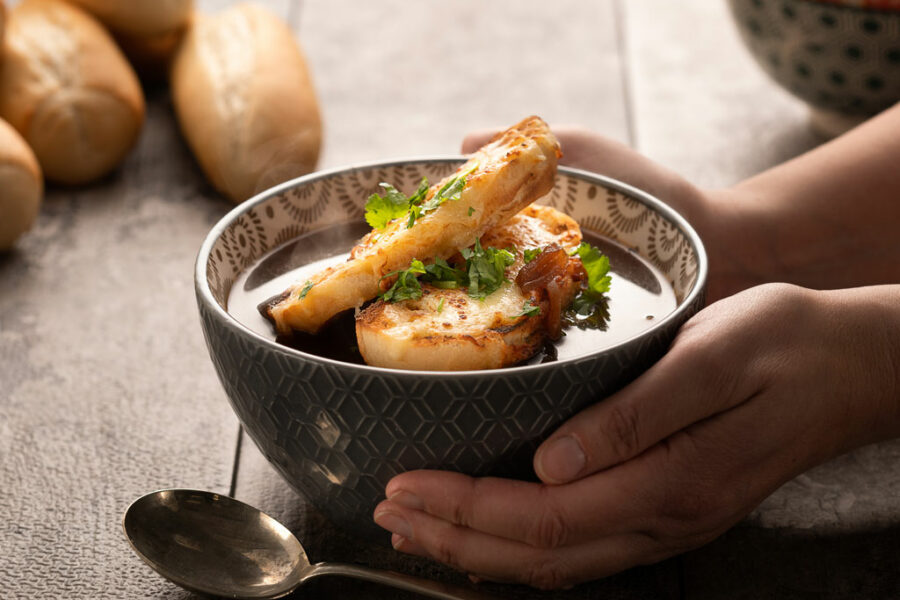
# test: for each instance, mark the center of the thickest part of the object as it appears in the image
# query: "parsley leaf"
(407, 286)
(440, 306)
(532, 253)
(306, 287)
(596, 264)
(486, 269)
(471, 210)
(529, 309)
(440, 274)
(590, 308)
(380, 210)
(452, 190)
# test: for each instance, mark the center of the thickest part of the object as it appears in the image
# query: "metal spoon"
(216, 545)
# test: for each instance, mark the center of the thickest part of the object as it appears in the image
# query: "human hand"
(735, 259)
(756, 389)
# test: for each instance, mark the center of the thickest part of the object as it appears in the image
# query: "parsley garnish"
(486, 269)
(590, 307)
(452, 190)
(440, 307)
(597, 266)
(531, 253)
(483, 273)
(529, 309)
(381, 210)
(406, 287)
(440, 274)
(306, 287)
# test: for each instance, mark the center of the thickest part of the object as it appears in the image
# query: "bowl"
(840, 57)
(338, 431)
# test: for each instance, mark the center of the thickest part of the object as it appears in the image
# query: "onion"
(544, 273)
(547, 266)
(553, 320)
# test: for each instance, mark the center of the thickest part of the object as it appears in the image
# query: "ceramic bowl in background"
(338, 431)
(840, 57)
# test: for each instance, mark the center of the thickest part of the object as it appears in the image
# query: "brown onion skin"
(551, 280)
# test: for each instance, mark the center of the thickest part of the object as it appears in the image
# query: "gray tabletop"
(106, 389)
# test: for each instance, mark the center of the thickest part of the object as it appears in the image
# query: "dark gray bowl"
(338, 431)
(841, 58)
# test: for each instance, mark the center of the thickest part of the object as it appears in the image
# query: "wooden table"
(106, 389)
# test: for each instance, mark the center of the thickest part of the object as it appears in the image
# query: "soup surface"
(639, 296)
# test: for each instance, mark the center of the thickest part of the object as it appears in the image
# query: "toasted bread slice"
(517, 167)
(447, 330)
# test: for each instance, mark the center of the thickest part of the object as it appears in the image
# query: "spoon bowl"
(213, 544)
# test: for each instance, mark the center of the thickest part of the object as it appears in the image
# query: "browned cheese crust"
(514, 169)
(447, 330)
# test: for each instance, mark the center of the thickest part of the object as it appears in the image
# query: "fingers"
(695, 380)
(500, 559)
(534, 514)
(476, 139)
(584, 149)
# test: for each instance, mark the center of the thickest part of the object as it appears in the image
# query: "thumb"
(690, 383)
(476, 139)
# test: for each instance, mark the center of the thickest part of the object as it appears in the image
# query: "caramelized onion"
(544, 273)
(546, 266)
(553, 320)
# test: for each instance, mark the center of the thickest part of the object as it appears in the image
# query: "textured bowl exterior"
(338, 432)
(838, 57)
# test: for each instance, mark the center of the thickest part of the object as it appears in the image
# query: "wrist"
(868, 321)
(734, 230)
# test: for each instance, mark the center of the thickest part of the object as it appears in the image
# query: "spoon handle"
(427, 587)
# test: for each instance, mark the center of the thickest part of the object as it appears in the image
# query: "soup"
(639, 296)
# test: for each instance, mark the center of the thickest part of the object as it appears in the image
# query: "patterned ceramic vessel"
(842, 58)
(338, 431)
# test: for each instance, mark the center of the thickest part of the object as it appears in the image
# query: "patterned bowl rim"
(836, 4)
(204, 293)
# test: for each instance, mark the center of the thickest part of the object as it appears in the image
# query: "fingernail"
(560, 460)
(394, 523)
(407, 499)
(401, 544)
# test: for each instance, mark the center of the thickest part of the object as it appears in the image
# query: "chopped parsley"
(407, 286)
(529, 309)
(486, 269)
(382, 209)
(590, 308)
(306, 287)
(596, 264)
(452, 190)
(483, 273)
(531, 253)
(442, 275)
(440, 306)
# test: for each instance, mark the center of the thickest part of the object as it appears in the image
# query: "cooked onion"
(553, 319)
(547, 266)
(544, 273)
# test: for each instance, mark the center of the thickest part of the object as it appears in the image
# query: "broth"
(639, 296)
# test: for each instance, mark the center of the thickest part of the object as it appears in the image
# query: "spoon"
(216, 545)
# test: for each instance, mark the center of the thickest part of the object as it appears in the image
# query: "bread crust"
(2, 27)
(67, 88)
(516, 168)
(21, 186)
(245, 101)
(447, 330)
(140, 18)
